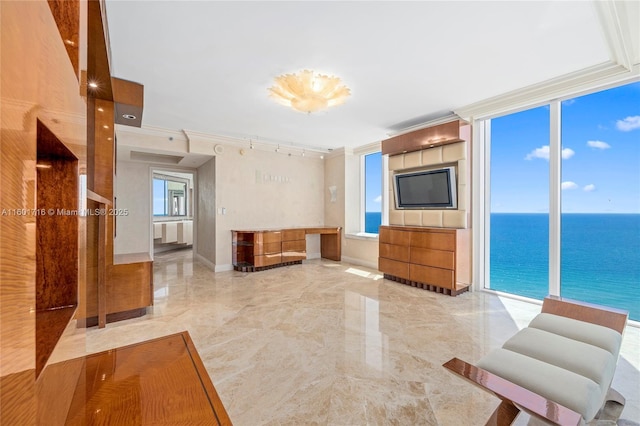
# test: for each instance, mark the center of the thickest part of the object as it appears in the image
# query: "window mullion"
(555, 185)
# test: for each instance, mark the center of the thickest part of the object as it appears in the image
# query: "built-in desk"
(256, 250)
(157, 382)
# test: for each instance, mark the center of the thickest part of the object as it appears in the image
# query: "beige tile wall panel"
(462, 197)
(413, 217)
(454, 219)
(396, 162)
(396, 217)
(412, 160)
(462, 172)
(454, 152)
(432, 218)
(432, 156)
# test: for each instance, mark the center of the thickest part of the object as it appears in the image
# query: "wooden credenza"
(256, 250)
(437, 259)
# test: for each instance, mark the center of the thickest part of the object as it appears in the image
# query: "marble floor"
(331, 343)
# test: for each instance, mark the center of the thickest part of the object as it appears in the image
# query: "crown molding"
(566, 86)
(622, 67)
(617, 32)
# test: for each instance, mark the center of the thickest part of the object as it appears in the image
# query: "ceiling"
(206, 65)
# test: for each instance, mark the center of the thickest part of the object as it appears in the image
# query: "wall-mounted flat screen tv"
(426, 189)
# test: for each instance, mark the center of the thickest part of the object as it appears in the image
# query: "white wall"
(263, 189)
(133, 192)
(205, 248)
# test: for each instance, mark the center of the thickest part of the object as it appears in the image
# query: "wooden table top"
(156, 382)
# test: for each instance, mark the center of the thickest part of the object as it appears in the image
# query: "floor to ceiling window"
(600, 227)
(599, 223)
(520, 203)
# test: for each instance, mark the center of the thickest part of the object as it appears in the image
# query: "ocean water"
(600, 257)
(372, 221)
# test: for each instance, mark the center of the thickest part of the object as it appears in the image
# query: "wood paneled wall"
(38, 84)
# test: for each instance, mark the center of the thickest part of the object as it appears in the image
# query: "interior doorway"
(173, 211)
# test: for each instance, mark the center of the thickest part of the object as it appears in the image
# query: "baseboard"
(209, 264)
(223, 268)
(313, 256)
(360, 262)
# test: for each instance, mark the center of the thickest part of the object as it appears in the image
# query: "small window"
(169, 196)
(372, 192)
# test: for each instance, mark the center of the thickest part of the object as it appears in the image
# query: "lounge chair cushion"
(581, 358)
(593, 334)
(565, 387)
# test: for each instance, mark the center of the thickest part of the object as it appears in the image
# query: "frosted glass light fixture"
(308, 91)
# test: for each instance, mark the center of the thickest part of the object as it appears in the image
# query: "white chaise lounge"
(559, 369)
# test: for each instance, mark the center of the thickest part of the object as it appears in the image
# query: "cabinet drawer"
(269, 237)
(392, 236)
(290, 256)
(267, 248)
(435, 276)
(293, 234)
(438, 258)
(391, 251)
(434, 240)
(393, 267)
(299, 246)
(267, 259)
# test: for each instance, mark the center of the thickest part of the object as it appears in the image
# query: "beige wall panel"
(413, 217)
(396, 217)
(412, 160)
(432, 156)
(432, 218)
(454, 219)
(454, 152)
(396, 162)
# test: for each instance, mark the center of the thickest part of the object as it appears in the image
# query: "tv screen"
(427, 189)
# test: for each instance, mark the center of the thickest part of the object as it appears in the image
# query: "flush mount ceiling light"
(308, 91)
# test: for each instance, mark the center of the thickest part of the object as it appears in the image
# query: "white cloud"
(598, 144)
(568, 102)
(629, 123)
(569, 185)
(567, 153)
(543, 152)
(378, 199)
(589, 188)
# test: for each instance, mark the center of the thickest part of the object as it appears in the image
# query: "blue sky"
(373, 186)
(601, 155)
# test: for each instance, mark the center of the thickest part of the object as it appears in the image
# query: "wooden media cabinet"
(437, 259)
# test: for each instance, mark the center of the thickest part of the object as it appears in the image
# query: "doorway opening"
(172, 211)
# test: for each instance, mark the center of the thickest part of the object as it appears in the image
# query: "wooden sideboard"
(256, 250)
(437, 259)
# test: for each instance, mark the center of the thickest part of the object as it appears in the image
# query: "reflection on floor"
(332, 343)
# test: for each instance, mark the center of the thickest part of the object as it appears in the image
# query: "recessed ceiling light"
(105, 126)
(129, 116)
(93, 84)
(109, 139)
(69, 42)
(101, 109)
